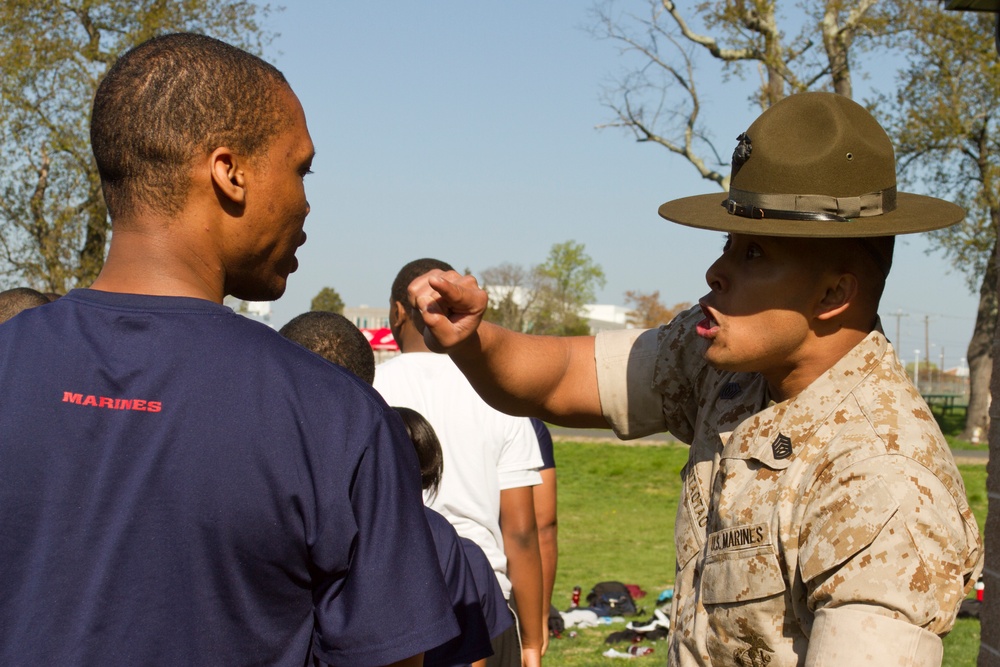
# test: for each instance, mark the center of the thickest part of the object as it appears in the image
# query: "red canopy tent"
(381, 340)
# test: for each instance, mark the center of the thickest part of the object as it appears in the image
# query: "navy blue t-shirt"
(544, 443)
(494, 605)
(180, 485)
(473, 642)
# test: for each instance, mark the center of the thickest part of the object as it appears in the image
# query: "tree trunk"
(990, 614)
(980, 355)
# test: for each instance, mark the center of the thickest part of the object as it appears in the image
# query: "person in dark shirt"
(180, 485)
(477, 599)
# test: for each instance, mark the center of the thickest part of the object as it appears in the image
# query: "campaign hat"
(814, 165)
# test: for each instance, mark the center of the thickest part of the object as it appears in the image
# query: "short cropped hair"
(428, 447)
(336, 339)
(169, 99)
(411, 272)
(15, 300)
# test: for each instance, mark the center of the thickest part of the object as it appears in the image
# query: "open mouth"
(708, 327)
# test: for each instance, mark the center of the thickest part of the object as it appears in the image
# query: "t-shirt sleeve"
(520, 459)
(473, 642)
(495, 610)
(544, 443)
(392, 602)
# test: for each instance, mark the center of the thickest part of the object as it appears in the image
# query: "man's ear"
(227, 175)
(398, 313)
(840, 293)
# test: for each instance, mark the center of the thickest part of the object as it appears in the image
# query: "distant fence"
(936, 382)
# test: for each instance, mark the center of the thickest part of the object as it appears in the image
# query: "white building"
(255, 310)
(367, 317)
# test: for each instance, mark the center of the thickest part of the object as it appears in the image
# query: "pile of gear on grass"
(610, 602)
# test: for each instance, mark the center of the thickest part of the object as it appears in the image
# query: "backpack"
(611, 598)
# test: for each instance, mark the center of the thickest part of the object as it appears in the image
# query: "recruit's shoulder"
(421, 364)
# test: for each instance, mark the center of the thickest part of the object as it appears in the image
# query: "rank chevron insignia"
(731, 390)
(781, 447)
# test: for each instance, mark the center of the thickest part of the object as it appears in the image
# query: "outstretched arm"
(551, 377)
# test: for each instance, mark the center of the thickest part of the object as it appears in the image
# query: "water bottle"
(640, 650)
(576, 596)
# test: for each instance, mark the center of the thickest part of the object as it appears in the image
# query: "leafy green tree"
(548, 298)
(53, 222)
(569, 280)
(945, 121)
(328, 300)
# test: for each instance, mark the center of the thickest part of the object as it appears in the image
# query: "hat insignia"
(742, 151)
(781, 447)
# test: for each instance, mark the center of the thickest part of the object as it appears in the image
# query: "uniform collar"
(774, 435)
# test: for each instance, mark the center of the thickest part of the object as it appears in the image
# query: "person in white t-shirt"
(491, 463)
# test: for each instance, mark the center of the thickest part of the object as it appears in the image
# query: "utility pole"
(899, 314)
(940, 374)
(927, 341)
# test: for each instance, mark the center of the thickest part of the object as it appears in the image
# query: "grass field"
(616, 514)
(952, 423)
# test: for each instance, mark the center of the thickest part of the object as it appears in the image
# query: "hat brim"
(913, 214)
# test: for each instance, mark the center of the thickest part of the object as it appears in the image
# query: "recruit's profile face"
(276, 208)
(763, 292)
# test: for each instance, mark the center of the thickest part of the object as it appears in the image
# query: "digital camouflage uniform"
(829, 529)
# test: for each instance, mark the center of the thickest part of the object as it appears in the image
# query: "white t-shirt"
(485, 451)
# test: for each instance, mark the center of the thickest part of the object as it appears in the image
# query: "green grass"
(952, 423)
(616, 516)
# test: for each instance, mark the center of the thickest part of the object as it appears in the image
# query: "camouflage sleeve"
(625, 362)
(648, 379)
(848, 636)
(882, 543)
(681, 372)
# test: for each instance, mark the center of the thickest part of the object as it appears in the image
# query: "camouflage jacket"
(829, 529)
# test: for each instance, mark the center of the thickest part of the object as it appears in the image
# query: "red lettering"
(112, 403)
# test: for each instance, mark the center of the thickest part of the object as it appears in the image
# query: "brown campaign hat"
(814, 165)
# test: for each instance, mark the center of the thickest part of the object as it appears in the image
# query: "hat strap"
(809, 207)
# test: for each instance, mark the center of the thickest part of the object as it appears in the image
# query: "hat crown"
(814, 165)
(816, 144)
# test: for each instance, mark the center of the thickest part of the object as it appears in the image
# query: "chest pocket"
(741, 566)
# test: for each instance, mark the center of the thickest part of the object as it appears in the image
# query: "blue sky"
(466, 131)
